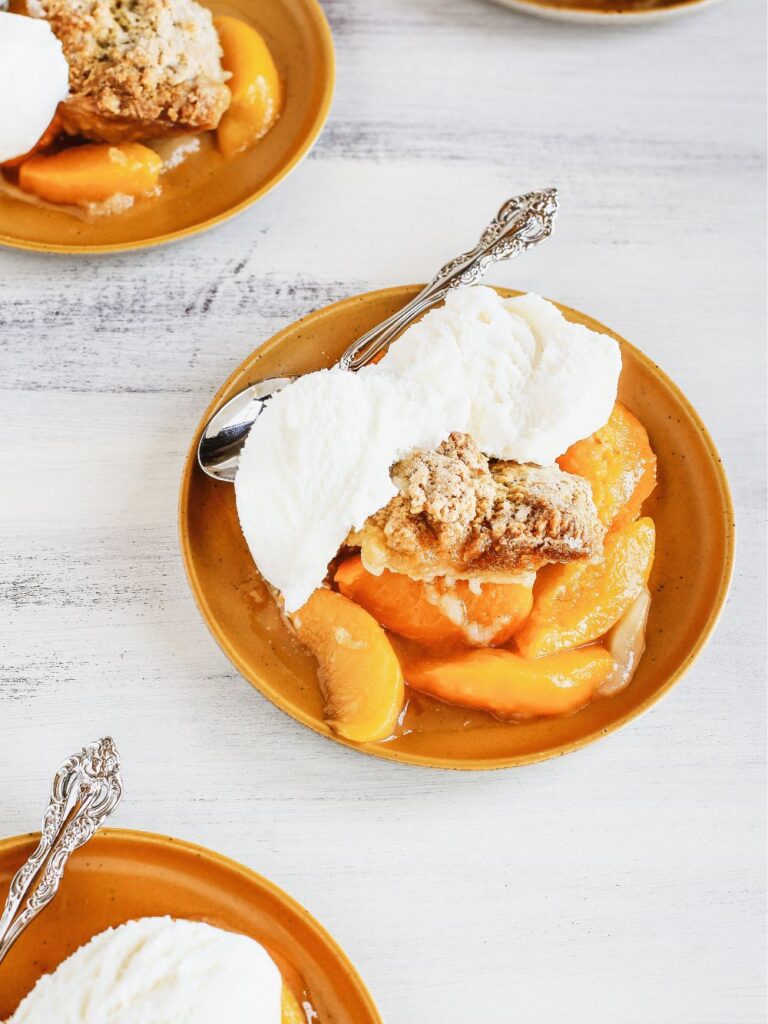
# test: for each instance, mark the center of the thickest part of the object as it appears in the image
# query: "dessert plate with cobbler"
(505, 539)
(138, 124)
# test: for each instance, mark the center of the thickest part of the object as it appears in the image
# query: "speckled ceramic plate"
(607, 12)
(122, 875)
(208, 189)
(691, 507)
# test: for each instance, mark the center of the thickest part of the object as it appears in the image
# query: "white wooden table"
(621, 883)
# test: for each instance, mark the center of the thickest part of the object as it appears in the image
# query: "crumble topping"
(137, 68)
(461, 515)
(450, 487)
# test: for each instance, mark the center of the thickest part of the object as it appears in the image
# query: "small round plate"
(607, 12)
(122, 875)
(691, 507)
(207, 188)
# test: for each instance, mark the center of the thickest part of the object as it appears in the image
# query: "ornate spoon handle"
(85, 790)
(521, 223)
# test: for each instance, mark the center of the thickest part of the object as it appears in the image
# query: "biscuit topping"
(137, 70)
(462, 515)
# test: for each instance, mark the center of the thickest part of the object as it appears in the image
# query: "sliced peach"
(578, 602)
(291, 1011)
(395, 601)
(359, 673)
(510, 686)
(619, 463)
(626, 643)
(492, 611)
(92, 173)
(257, 93)
(437, 612)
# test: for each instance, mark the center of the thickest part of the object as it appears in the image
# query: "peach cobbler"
(143, 82)
(462, 519)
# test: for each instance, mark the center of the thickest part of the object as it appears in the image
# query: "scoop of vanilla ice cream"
(159, 971)
(513, 373)
(34, 78)
(316, 464)
(535, 381)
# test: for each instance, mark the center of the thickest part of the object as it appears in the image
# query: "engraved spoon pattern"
(521, 223)
(86, 789)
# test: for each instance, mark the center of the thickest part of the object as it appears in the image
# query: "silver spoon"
(521, 223)
(85, 790)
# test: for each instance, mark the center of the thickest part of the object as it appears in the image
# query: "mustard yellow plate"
(122, 875)
(209, 188)
(691, 507)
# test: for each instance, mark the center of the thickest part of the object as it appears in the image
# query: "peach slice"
(578, 602)
(257, 93)
(491, 612)
(397, 602)
(291, 1011)
(359, 673)
(619, 463)
(437, 612)
(92, 173)
(626, 643)
(510, 686)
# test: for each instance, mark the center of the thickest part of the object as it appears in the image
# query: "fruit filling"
(477, 577)
(91, 173)
(253, 83)
(544, 645)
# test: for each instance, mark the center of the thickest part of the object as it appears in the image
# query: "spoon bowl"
(225, 432)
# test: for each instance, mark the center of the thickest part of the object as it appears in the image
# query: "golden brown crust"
(459, 514)
(138, 68)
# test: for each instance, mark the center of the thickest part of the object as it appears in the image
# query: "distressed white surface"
(621, 883)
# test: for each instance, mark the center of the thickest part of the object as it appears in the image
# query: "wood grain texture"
(624, 882)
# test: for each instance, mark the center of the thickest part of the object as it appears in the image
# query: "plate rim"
(164, 841)
(381, 750)
(572, 14)
(309, 141)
